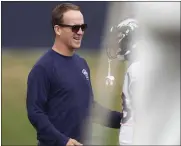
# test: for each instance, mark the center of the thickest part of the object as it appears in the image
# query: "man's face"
(72, 39)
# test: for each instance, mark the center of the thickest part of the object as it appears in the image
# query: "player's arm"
(37, 92)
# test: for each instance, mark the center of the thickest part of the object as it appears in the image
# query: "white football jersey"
(126, 129)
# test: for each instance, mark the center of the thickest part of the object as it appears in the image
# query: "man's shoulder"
(82, 61)
(44, 60)
(79, 57)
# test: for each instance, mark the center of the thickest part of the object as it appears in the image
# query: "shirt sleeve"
(38, 87)
(106, 117)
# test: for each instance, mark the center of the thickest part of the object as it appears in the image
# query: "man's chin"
(76, 47)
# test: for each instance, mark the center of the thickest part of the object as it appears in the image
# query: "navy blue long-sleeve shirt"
(59, 98)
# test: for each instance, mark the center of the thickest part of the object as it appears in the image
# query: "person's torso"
(70, 93)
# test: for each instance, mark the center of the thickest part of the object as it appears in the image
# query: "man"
(124, 34)
(59, 92)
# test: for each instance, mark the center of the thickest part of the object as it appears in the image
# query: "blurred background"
(26, 34)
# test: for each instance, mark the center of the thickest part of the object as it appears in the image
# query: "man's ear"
(57, 30)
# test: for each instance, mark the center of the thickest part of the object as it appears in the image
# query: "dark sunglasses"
(75, 28)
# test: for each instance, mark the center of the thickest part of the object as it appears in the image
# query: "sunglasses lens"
(76, 28)
(83, 27)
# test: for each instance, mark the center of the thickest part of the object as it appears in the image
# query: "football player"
(125, 49)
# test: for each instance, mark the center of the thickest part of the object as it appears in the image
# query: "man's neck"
(62, 49)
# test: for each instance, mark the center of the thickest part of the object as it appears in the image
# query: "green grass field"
(16, 129)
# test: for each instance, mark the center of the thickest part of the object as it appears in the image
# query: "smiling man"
(59, 91)
(69, 27)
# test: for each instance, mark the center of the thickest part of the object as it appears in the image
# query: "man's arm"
(100, 112)
(37, 93)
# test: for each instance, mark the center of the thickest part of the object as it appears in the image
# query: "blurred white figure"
(123, 35)
(158, 96)
(155, 102)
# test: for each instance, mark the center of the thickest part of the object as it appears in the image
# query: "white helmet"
(122, 41)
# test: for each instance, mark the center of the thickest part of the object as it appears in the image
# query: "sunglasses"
(75, 28)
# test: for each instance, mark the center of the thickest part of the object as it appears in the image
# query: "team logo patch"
(85, 74)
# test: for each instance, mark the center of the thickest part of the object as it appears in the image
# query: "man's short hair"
(59, 10)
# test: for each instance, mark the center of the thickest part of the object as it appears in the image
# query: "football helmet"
(122, 40)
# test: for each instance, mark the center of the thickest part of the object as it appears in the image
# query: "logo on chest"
(85, 74)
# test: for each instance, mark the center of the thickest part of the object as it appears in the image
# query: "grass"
(16, 129)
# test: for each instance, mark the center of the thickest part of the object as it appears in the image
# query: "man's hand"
(73, 142)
